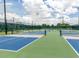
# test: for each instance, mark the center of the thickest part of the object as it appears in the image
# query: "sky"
(13, 6)
(51, 11)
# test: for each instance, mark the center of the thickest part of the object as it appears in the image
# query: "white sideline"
(39, 36)
(21, 35)
(71, 37)
(66, 37)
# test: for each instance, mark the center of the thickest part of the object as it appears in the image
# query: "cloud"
(70, 10)
(30, 21)
(40, 9)
(27, 20)
(10, 16)
(36, 8)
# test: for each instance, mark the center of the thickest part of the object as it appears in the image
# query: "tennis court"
(70, 32)
(51, 45)
(72, 37)
(16, 42)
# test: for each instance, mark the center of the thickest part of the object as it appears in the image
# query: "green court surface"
(50, 46)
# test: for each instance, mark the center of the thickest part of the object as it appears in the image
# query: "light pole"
(5, 17)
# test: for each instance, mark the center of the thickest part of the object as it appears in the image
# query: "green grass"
(51, 46)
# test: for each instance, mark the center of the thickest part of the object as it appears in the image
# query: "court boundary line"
(23, 46)
(7, 50)
(6, 40)
(71, 46)
(29, 44)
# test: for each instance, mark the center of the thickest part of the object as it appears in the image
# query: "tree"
(64, 25)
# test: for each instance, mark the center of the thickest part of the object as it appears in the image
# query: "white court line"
(39, 36)
(28, 44)
(6, 40)
(71, 37)
(71, 46)
(14, 37)
(23, 46)
(21, 36)
(7, 50)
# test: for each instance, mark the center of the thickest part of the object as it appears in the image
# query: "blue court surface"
(74, 43)
(70, 32)
(15, 43)
(37, 32)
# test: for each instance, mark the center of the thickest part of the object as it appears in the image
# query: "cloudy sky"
(44, 10)
(13, 6)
